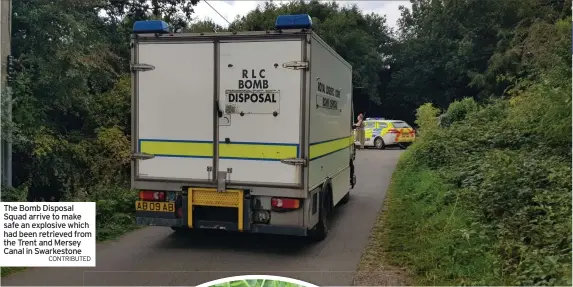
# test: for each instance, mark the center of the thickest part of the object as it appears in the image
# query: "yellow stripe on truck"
(239, 150)
(259, 151)
(321, 149)
(169, 148)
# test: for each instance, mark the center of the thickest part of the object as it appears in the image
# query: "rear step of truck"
(209, 209)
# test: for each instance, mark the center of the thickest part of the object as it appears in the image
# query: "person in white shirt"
(360, 130)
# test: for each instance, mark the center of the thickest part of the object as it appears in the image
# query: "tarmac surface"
(155, 256)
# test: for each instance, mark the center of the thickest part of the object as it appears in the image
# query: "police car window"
(382, 125)
(400, 125)
(369, 124)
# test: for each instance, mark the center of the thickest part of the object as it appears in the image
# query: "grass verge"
(422, 236)
(9, 270)
(373, 269)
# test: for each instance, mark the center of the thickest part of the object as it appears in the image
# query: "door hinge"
(141, 67)
(142, 156)
(295, 161)
(296, 65)
(221, 181)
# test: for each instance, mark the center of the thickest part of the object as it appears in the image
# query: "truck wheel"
(379, 143)
(345, 199)
(320, 230)
(178, 230)
(354, 154)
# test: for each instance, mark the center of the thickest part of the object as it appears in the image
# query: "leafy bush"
(257, 283)
(502, 171)
(458, 110)
(115, 211)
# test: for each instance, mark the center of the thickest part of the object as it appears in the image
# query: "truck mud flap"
(209, 209)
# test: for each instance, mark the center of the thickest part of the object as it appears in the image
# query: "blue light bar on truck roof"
(151, 26)
(301, 21)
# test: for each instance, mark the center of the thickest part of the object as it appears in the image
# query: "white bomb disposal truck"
(240, 131)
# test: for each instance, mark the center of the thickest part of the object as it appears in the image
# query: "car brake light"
(285, 203)
(152, 195)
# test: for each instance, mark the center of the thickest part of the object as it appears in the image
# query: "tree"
(451, 49)
(361, 39)
(71, 91)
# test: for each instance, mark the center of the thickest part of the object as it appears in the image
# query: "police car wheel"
(379, 143)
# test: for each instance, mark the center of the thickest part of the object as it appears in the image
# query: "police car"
(380, 133)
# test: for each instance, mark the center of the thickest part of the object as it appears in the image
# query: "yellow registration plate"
(155, 206)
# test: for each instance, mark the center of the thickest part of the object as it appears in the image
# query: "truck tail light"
(285, 203)
(152, 195)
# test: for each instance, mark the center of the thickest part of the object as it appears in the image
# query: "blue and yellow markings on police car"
(204, 149)
(324, 148)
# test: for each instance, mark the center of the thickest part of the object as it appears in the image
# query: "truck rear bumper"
(233, 210)
(254, 228)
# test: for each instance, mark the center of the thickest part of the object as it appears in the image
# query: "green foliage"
(114, 211)
(430, 232)
(71, 102)
(5, 271)
(458, 110)
(361, 39)
(427, 119)
(505, 166)
(256, 283)
(451, 49)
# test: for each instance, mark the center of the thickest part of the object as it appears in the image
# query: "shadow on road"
(243, 242)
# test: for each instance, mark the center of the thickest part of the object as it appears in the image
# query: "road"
(155, 256)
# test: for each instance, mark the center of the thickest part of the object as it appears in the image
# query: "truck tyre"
(320, 230)
(346, 198)
(379, 143)
(178, 230)
(354, 154)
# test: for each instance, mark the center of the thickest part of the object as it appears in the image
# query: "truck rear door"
(262, 104)
(237, 94)
(174, 111)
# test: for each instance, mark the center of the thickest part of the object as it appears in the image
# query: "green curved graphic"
(257, 283)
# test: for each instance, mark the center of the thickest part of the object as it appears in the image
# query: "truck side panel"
(330, 119)
(174, 110)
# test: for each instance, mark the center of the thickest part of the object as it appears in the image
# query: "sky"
(232, 9)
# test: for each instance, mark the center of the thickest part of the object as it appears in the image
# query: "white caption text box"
(48, 234)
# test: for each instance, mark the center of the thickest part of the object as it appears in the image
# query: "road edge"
(373, 269)
(7, 271)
